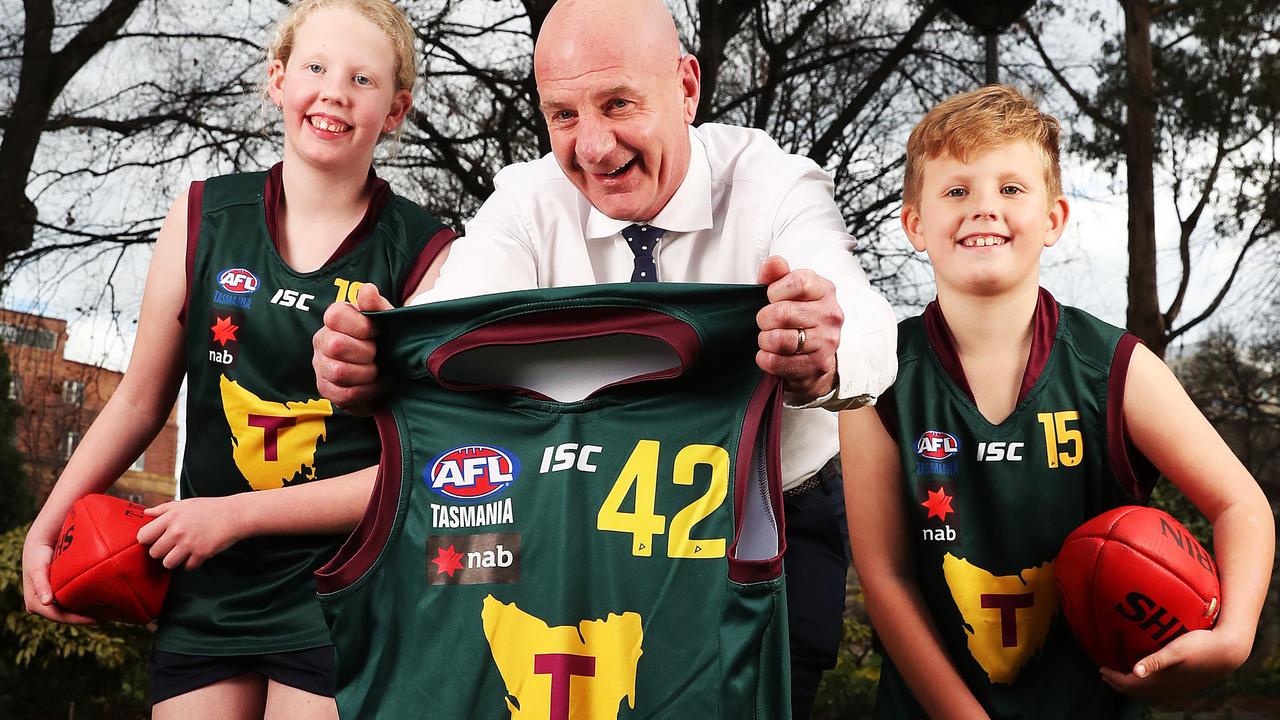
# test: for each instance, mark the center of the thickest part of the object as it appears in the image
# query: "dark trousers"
(817, 564)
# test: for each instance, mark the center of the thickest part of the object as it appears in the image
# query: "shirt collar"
(687, 211)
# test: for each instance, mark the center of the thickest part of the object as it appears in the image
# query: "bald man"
(633, 192)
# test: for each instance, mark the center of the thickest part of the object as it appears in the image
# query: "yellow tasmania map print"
(564, 672)
(1006, 617)
(272, 442)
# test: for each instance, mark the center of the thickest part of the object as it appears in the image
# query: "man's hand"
(185, 533)
(344, 353)
(799, 329)
(1182, 668)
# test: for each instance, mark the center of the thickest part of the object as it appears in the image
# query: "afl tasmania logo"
(238, 281)
(472, 473)
(936, 445)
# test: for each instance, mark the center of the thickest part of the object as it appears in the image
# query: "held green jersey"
(578, 514)
(989, 505)
(254, 418)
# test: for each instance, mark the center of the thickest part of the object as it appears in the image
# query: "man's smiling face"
(617, 110)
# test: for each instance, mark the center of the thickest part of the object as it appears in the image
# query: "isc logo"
(238, 281)
(472, 472)
(936, 445)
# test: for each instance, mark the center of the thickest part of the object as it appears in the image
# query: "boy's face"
(984, 222)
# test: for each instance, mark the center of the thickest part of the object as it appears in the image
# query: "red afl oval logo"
(472, 472)
(238, 281)
(937, 445)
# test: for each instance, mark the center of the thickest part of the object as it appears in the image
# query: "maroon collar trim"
(1044, 329)
(273, 200)
(573, 324)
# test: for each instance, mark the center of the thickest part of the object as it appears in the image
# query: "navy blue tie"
(643, 240)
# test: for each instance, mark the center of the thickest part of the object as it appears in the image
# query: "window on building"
(15, 388)
(69, 444)
(73, 392)
(139, 464)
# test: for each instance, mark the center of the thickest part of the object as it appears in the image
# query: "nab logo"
(935, 445)
(238, 281)
(472, 473)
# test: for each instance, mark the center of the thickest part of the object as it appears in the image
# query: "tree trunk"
(1144, 318)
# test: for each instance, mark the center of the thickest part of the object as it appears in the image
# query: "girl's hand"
(1182, 668)
(188, 532)
(37, 594)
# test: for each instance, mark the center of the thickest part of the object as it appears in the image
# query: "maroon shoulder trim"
(764, 412)
(195, 206)
(573, 324)
(1135, 473)
(887, 410)
(1044, 329)
(362, 547)
(438, 242)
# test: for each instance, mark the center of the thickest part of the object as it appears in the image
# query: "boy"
(1013, 420)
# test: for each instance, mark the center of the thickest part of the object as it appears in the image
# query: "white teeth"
(328, 125)
(983, 241)
(620, 168)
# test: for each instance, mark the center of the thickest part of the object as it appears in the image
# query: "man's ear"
(690, 74)
(1059, 211)
(911, 225)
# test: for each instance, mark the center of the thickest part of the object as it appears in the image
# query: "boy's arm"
(131, 418)
(882, 556)
(188, 532)
(1169, 430)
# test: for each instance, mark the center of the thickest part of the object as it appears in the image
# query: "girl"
(244, 268)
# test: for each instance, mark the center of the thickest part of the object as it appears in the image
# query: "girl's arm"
(882, 556)
(188, 532)
(1169, 430)
(134, 414)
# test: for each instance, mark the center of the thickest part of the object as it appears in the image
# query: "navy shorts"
(174, 674)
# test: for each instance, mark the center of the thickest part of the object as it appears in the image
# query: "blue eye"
(316, 68)
(363, 80)
(618, 104)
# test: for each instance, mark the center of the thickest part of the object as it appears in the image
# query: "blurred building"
(60, 399)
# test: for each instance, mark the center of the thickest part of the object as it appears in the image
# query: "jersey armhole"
(362, 548)
(886, 408)
(759, 534)
(422, 263)
(1135, 473)
(195, 206)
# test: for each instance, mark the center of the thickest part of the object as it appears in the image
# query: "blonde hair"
(970, 123)
(382, 13)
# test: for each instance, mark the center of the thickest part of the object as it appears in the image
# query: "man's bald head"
(637, 33)
(618, 98)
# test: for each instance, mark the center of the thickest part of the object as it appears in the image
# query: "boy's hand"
(188, 532)
(344, 353)
(799, 329)
(1184, 667)
(37, 594)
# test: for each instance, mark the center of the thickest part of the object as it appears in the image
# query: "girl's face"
(338, 90)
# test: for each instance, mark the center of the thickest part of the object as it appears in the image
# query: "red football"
(1132, 579)
(100, 569)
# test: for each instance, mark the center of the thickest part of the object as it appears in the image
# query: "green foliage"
(849, 690)
(47, 668)
(17, 506)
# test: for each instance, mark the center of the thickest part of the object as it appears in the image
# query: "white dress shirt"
(742, 200)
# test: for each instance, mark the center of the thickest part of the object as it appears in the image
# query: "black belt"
(825, 473)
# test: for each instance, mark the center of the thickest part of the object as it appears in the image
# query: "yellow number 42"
(641, 473)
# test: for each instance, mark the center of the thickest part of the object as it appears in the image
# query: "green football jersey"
(578, 514)
(254, 418)
(990, 504)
